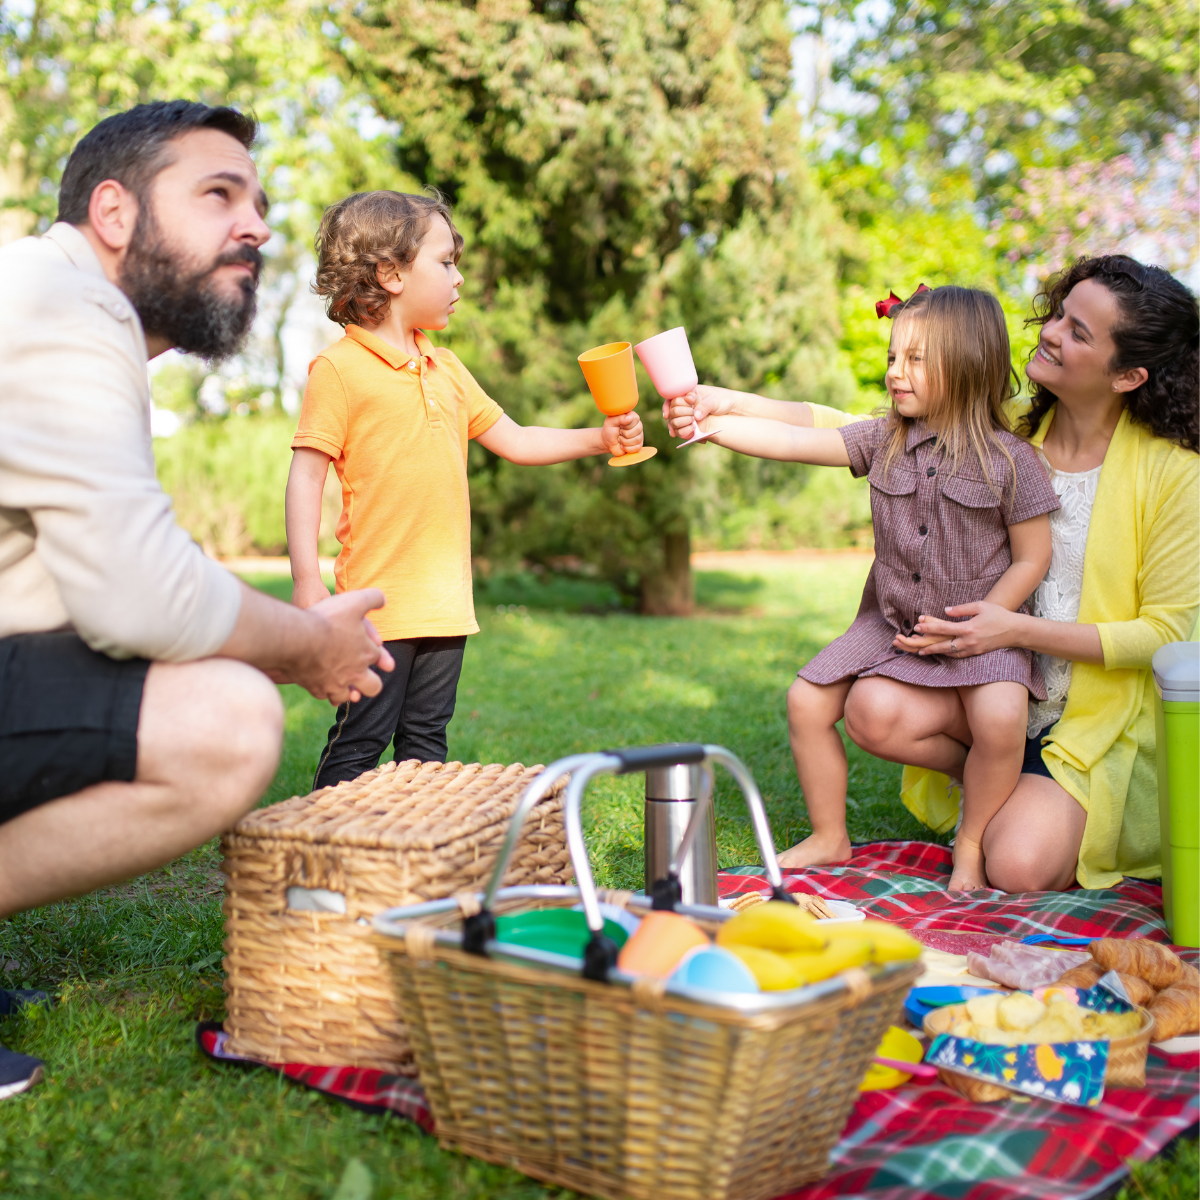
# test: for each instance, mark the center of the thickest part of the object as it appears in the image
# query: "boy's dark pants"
(415, 707)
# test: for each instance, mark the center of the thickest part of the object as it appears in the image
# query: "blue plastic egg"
(714, 968)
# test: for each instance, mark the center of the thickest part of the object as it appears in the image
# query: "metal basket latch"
(599, 957)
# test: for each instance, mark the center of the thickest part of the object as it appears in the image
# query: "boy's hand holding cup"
(622, 434)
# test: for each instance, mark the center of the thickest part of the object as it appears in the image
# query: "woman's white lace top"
(1057, 597)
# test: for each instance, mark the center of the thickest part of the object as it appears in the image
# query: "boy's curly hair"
(1158, 328)
(359, 233)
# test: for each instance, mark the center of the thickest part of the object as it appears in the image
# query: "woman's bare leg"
(813, 713)
(900, 722)
(997, 714)
(1032, 843)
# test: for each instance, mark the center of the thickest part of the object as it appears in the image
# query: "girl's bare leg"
(997, 714)
(813, 713)
(904, 723)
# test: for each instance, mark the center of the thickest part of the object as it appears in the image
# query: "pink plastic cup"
(667, 358)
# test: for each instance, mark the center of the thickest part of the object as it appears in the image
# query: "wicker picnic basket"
(1126, 1058)
(304, 981)
(628, 1087)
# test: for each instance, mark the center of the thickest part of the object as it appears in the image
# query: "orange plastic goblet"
(609, 373)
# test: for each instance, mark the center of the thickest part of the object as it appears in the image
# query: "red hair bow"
(883, 308)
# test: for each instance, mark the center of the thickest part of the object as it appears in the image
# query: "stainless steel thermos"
(671, 794)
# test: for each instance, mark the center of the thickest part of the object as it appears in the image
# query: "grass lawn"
(129, 1108)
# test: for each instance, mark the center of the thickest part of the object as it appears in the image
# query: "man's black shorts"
(68, 718)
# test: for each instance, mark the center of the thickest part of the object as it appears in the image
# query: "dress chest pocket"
(899, 479)
(976, 535)
(971, 493)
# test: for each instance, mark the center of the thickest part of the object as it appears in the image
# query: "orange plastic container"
(658, 943)
(610, 378)
(608, 370)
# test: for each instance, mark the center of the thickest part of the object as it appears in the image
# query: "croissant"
(1138, 990)
(1082, 977)
(1176, 1011)
(1156, 964)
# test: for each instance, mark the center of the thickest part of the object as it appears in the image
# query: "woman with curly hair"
(1114, 417)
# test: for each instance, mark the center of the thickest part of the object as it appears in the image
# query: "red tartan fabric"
(904, 883)
(374, 1091)
(924, 1140)
(929, 1141)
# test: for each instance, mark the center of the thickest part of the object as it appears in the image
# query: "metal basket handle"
(600, 954)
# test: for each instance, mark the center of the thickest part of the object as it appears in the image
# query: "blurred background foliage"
(758, 171)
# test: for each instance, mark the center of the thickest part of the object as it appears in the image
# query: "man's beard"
(181, 305)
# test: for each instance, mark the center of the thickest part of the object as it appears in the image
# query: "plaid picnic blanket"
(904, 883)
(360, 1087)
(925, 1140)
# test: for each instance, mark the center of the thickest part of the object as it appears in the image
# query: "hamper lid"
(407, 805)
(1177, 671)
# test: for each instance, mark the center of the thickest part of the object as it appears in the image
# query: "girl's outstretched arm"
(760, 437)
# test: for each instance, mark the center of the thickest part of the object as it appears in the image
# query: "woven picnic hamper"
(304, 981)
(621, 1087)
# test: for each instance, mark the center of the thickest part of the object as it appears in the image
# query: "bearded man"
(137, 714)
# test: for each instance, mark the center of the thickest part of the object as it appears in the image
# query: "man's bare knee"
(213, 730)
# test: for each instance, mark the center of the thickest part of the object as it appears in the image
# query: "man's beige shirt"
(87, 536)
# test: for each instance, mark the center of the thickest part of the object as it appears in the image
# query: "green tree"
(962, 96)
(617, 168)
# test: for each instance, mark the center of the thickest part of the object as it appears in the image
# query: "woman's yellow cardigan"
(1141, 589)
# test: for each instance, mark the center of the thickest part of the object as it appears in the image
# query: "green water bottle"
(1177, 728)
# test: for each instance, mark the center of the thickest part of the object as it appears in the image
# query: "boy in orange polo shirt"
(394, 414)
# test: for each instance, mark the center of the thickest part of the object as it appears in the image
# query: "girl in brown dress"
(961, 510)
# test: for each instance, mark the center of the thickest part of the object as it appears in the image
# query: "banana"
(777, 926)
(838, 956)
(891, 943)
(773, 972)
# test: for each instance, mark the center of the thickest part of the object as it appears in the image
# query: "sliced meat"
(1024, 967)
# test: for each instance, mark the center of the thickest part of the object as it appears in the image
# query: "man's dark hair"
(131, 147)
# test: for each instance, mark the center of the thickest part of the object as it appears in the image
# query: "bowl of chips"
(1052, 1018)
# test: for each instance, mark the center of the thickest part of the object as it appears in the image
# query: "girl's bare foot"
(968, 873)
(816, 850)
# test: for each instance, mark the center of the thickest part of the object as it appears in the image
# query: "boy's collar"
(395, 358)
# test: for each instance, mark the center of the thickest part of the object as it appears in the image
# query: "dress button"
(916, 577)
(412, 366)
(931, 471)
(897, 651)
(923, 530)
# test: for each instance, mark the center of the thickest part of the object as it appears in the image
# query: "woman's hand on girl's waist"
(992, 627)
(988, 627)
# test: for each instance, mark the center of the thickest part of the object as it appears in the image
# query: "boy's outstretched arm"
(760, 437)
(302, 520)
(538, 445)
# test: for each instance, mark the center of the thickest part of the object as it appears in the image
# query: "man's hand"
(335, 664)
(684, 414)
(623, 434)
(328, 648)
(307, 592)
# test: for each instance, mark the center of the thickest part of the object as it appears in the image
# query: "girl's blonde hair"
(359, 233)
(968, 371)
